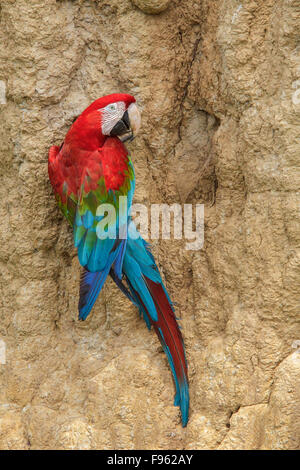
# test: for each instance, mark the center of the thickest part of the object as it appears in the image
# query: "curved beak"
(128, 126)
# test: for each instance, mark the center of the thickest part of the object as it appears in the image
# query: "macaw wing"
(98, 247)
(94, 252)
(79, 203)
(101, 187)
(105, 175)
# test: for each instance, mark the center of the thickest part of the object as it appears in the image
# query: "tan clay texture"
(218, 85)
(152, 6)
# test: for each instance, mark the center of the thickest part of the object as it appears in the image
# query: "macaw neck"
(85, 133)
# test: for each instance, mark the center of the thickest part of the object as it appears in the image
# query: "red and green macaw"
(92, 167)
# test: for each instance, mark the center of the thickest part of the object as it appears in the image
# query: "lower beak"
(127, 128)
(122, 129)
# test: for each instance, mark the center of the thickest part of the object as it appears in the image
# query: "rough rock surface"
(152, 6)
(218, 83)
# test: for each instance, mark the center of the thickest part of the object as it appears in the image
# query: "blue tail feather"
(139, 265)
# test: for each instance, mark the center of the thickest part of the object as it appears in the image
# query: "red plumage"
(169, 327)
(80, 150)
(78, 170)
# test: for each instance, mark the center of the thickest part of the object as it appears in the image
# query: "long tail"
(146, 290)
(143, 285)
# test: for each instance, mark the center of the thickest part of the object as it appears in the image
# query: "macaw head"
(119, 115)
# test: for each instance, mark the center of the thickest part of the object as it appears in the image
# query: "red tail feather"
(169, 334)
(169, 327)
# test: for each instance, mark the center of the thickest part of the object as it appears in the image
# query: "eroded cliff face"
(218, 84)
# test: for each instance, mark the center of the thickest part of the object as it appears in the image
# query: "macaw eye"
(111, 107)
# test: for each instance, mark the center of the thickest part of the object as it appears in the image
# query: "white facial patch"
(111, 114)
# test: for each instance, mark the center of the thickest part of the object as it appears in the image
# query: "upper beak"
(129, 125)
